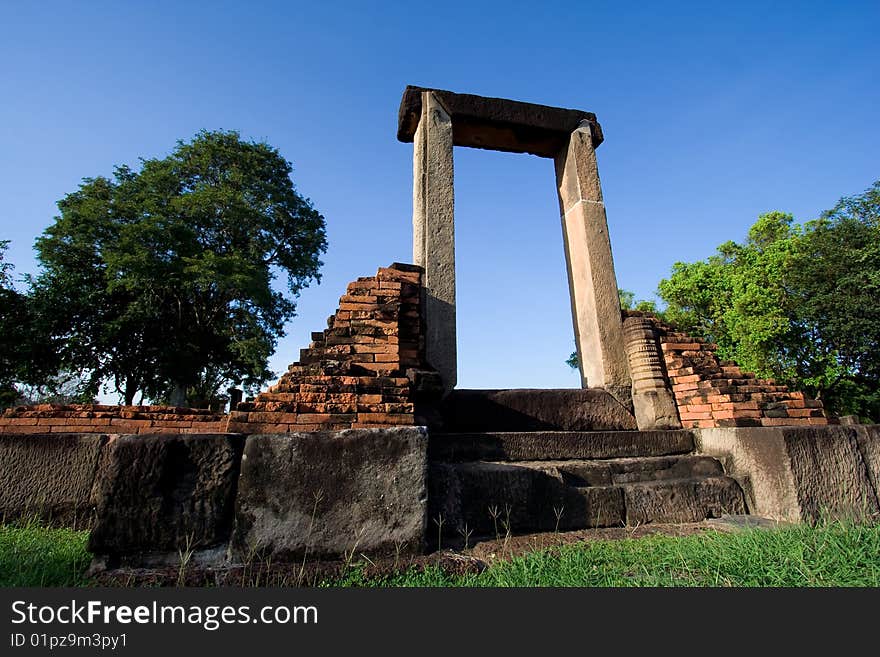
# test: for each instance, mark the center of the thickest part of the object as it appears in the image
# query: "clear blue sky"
(712, 112)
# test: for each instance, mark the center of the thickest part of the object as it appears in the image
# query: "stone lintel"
(496, 123)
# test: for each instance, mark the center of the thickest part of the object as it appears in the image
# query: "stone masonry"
(435, 121)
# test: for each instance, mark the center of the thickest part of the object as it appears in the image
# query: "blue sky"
(713, 113)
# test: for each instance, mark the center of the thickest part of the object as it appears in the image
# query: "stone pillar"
(434, 234)
(651, 395)
(595, 304)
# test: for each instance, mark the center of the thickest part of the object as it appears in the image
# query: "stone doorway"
(435, 121)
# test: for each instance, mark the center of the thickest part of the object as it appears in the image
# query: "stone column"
(434, 234)
(595, 304)
(652, 397)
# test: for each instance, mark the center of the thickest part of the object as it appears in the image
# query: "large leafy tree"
(12, 304)
(161, 280)
(798, 303)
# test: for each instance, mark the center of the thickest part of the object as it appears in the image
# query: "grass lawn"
(33, 555)
(832, 554)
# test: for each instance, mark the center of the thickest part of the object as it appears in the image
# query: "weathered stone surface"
(49, 477)
(682, 500)
(829, 473)
(605, 472)
(489, 497)
(595, 303)
(328, 493)
(800, 473)
(496, 123)
(550, 445)
(165, 493)
(868, 440)
(534, 410)
(485, 498)
(434, 234)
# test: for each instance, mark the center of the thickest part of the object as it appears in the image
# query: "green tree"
(26, 356)
(834, 280)
(11, 305)
(160, 280)
(797, 303)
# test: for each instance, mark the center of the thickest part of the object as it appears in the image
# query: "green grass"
(34, 555)
(835, 553)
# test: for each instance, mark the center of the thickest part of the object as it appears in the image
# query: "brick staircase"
(354, 373)
(483, 483)
(710, 392)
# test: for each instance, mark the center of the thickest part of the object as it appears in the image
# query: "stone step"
(630, 470)
(682, 500)
(590, 409)
(489, 498)
(556, 445)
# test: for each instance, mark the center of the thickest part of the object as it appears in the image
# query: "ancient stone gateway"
(435, 121)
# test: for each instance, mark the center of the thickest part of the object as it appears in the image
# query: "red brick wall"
(353, 375)
(97, 418)
(714, 393)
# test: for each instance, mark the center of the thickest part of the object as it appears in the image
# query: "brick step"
(555, 445)
(731, 373)
(484, 498)
(739, 382)
(757, 399)
(688, 345)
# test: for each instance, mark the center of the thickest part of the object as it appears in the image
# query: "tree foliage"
(162, 279)
(798, 303)
(11, 304)
(26, 356)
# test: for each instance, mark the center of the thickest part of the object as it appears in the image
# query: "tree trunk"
(178, 395)
(130, 391)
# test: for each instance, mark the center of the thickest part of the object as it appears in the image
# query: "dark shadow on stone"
(590, 409)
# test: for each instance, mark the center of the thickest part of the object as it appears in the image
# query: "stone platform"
(224, 498)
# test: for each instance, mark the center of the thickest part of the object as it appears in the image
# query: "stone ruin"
(367, 436)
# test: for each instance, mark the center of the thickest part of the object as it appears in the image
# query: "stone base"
(655, 409)
(176, 500)
(801, 473)
(165, 494)
(331, 493)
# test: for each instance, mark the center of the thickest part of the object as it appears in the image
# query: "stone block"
(497, 123)
(589, 409)
(485, 498)
(682, 500)
(801, 473)
(165, 493)
(328, 493)
(49, 477)
(551, 445)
